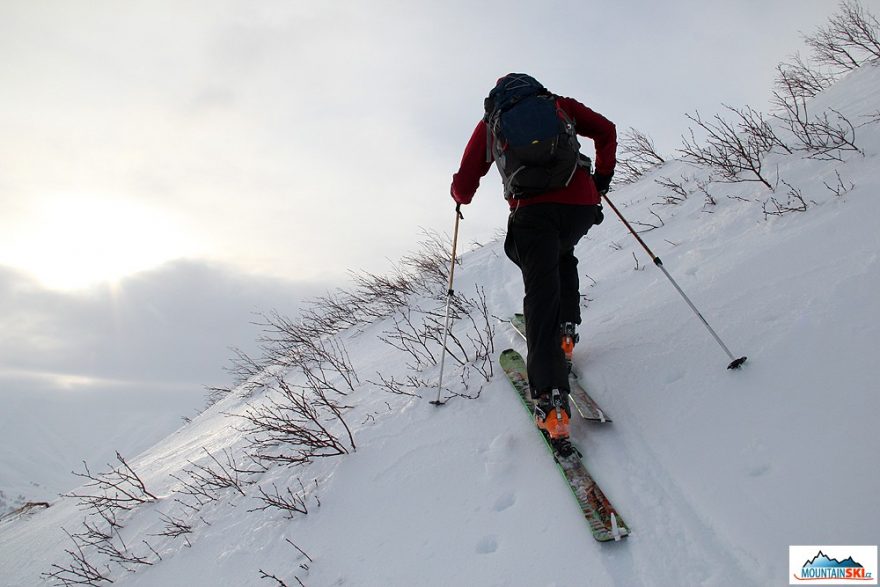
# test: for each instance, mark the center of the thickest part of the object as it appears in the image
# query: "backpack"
(533, 141)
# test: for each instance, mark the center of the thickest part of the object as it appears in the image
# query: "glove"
(603, 182)
(600, 216)
(459, 198)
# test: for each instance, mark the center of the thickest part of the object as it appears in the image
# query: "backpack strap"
(490, 138)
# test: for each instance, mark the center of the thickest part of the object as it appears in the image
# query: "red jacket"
(581, 190)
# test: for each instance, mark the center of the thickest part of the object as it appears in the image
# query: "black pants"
(540, 240)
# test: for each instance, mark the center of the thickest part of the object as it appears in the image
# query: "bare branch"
(205, 483)
(391, 385)
(79, 571)
(732, 149)
(120, 488)
(840, 188)
(288, 501)
(797, 80)
(292, 427)
(794, 203)
(175, 528)
(677, 193)
(278, 582)
(636, 155)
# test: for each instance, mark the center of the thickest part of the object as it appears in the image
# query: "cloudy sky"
(167, 168)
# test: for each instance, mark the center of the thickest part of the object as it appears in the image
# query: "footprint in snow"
(504, 502)
(759, 469)
(674, 376)
(487, 545)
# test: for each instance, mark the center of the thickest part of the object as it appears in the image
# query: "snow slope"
(44, 434)
(716, 471)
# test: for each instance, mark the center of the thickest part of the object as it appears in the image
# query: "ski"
(605, 524)
(585, 405)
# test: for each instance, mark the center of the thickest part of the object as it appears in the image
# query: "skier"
(554, 200)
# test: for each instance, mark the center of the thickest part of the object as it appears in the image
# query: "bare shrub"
(731, 148)
(675, 192)
(99, 540)
(758, 129)
(293, 426)
(28, 509)
(411, 335)
(850, 39)
(841, 187)
(176, 528)
(822, 136)
(794, 202)
(636, 155)
(481, 335)
(116, 551)
(379, 295)
(106, 496)
(288, 343)
(206, 483)
(419, 332)
(120, 488)
(798, 80)
(708, 198)
(408, 387)
(429, 265)
(80, 570)
(648, 226)
(287, 501)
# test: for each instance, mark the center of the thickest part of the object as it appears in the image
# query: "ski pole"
(449, 294)
(734, 362)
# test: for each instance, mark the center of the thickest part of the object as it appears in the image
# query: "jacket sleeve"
(595, 126)
(473, 166)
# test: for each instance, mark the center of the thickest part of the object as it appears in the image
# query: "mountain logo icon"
(823, 560)
(844, 566)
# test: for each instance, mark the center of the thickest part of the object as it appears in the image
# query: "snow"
(717, 472)
(45, 434)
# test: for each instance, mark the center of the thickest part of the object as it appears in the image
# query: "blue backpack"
(533, 142)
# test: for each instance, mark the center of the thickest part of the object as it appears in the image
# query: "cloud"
(170, 326)
(282, 136)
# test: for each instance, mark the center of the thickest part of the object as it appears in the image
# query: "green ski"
(604, 522)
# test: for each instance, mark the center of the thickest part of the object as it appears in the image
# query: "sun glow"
(70, 241)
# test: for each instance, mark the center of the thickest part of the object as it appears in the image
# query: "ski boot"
(569, 339)
(552, 415)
